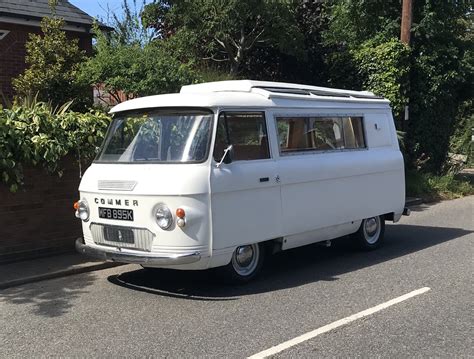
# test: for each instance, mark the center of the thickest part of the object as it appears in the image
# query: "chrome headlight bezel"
(163, 216)
(83, 211)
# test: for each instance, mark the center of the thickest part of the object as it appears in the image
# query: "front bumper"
(115, 255)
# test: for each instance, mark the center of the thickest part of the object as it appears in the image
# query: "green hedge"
(32, 133)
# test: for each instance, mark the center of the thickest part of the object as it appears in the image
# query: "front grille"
(116, 185)
(123, 237)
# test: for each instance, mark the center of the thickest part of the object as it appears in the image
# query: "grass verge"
(430, 187)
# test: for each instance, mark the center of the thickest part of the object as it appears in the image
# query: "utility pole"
(407, 8)
(405, 34)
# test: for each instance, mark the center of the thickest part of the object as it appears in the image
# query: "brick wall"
(13, 52)
(39, 219)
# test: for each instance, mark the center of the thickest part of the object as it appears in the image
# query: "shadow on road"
(49, 298)
(290, 268)
(424, 206)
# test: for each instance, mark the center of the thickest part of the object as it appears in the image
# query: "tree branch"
(255, 40)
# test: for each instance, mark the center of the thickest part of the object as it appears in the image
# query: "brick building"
(19, 18)
(38, 219)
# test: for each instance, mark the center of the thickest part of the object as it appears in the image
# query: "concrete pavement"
(35, 270)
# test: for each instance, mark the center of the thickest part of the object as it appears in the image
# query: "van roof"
(235, 93)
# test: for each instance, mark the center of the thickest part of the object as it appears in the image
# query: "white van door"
(245, 194)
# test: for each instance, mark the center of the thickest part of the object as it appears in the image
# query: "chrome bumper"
(116, 256)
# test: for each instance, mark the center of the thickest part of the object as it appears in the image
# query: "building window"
(3, 33)
(298, 134)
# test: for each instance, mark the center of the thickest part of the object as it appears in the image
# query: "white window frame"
(314, 151)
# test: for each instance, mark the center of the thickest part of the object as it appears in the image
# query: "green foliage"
(385, 68)
(352, 22)
(227, 31)
(137, 71)
(305, 63)
(128, 28)
(461, 141)
(441, 77)
(53, 60)
(436, 75)
(432, 187)
(33, 133)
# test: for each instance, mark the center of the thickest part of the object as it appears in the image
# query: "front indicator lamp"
(181, 214)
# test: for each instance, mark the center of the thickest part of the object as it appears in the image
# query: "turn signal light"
(181, 221)
(76, 205)
(180, 213)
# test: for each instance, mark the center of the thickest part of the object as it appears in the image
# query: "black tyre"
(245, 264)
(371, 233)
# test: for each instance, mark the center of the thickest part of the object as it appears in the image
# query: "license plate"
(116, 213)
(119, 234)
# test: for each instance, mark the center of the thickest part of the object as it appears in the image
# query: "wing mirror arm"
(226, 157)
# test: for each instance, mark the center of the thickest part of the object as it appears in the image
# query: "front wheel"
(245, 264)
(371, 233)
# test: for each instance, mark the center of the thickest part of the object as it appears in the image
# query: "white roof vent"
(274, 89)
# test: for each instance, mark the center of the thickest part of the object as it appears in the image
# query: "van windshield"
(158, 137)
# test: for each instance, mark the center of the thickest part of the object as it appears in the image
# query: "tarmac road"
(126, 311)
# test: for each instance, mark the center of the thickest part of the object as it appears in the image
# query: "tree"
(363, 52)
(441, 76)
(53, 60)
(127, 24)
(135, 70)
(303, 65)
(226, 31)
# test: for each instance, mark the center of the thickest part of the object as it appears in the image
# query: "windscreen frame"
(163, 111)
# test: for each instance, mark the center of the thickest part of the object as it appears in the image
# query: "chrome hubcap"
(245, 259)
(372, 229)
(244, 255)
(371, 226)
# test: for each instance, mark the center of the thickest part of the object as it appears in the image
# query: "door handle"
(264, 179)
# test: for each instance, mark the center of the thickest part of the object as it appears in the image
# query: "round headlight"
(163, 216)
(82, 211)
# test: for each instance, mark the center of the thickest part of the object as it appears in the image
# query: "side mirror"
(227, 156)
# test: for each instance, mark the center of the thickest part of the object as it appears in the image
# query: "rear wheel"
(371, 233)
(245, 264)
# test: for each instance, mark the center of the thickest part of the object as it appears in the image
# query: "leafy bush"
(385, 68)
(432, 187)
(53, 60)
(441, 76)
(34, 133)
(461, 140)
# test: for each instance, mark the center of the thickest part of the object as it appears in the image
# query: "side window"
(298, 134)
(353, 132)
(246, 131)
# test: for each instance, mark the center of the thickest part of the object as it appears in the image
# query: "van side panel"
(378, 130)
(325, 189)
(334, 188)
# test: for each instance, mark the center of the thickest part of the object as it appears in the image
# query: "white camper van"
(216, 174)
